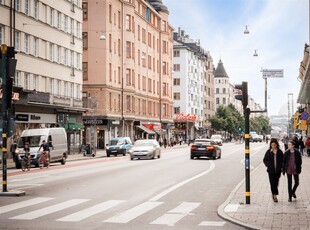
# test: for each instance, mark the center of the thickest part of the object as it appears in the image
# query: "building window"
(72, 59)
(26, 81)
(177, 110)
(71, 27)
(217, 101)
(128, 22)
(66, 89)
(176, 81)
(1, 34)
(176, 67)
(85, 70)
(165, 88)
(85, 10)
(27, 9)
(119, 19)
(17, 5)
(176, 96)
(35, 82)
(17, 79)
(143, 35)
(78, 60)
(128, 76)
(65, 61)
(26, 44)
(36, 47)
(110, 72)
(58, 54)
(217, 90)
(85, 39)
(164, 26)
(224, 101)
(110, 13)
(66, 29)
(51, 52)
(164, 67)
(17, 40)
(128, 49)
(58, 20)
(224, 90)
(36, 9)
(128, 103)
(176, 53)
(51, 16)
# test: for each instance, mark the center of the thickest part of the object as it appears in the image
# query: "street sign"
(272, 73)
(304, 115)
(303, 125)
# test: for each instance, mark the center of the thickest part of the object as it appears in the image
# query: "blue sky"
(278, 31)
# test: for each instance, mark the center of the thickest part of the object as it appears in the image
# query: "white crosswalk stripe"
(49, 210)
(212, 223)
(133, 213)
(83, 214)
(176, 214)
(23, 204)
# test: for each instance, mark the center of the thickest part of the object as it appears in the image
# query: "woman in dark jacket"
(292, 167)
(274, 160)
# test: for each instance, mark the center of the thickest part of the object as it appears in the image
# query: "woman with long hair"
(273, 160)
(292, 167)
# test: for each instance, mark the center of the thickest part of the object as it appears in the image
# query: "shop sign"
(117, 122)
(95, 122)
(15, 96)
(186, 117)
(154, 127)
(22, 117)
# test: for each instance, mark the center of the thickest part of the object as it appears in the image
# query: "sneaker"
(294, 195)
(289, 199)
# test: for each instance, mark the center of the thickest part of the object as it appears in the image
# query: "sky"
(278, 29)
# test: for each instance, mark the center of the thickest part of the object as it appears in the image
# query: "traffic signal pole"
(4, 113)
(247, 112)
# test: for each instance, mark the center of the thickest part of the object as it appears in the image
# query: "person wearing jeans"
(292, 167)
(273, 160)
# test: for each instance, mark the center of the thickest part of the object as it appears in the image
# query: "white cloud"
(278, 30)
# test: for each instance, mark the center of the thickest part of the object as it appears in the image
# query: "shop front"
(184, 125)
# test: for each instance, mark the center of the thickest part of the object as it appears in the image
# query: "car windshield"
(216, 137)
(117, 142)
(203, 142)
(144, 143)
(34, 141)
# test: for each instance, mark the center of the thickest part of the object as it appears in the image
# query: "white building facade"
(47, 36)
(191, 64)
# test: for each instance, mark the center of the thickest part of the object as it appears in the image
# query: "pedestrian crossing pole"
(4, 113)
(247, 112)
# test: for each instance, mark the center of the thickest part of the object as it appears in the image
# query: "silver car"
(145, 149)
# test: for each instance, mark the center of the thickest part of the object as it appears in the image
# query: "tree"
(260, 124)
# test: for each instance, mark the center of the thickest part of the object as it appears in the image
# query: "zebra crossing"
(168, 218)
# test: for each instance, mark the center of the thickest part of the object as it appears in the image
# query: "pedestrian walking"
(296, 141)
(308, 146)
(165, 142)
(285, 142)
(292, 162)
(273, 160)
(301, 145)
(180, 140)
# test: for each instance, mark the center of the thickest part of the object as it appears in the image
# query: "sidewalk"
(99, 154)
(263, 213)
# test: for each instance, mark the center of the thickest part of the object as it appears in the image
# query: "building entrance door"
(101, 142)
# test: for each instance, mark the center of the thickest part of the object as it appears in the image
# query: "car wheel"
(214, 156)
(108, 154)
(131, 158)
(219, 157)
(158, 156)
(192, 157)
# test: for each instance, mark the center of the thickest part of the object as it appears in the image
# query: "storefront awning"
(144, 129)
(72, 126)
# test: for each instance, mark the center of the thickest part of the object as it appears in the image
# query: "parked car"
(56, 138)
(145, 149)
(118, 145)
(261, 138)
(255, 138)
(217, 139)
(205, 148)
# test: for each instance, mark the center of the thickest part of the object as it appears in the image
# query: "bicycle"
(44, 160)
(26, 162)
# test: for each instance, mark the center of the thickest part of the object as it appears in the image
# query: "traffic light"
(242, 94)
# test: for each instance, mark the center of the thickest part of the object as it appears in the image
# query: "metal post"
(266, 94)
(247, 112)
(4, 113)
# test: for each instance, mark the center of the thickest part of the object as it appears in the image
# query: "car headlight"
(17, 151)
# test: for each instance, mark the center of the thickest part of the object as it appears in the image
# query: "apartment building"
(47, 36)
(222, 86)
(127, 77)
(192, 87)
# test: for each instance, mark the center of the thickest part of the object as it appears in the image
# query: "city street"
(172, 192)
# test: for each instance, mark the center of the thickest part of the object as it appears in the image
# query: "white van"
(56, 139)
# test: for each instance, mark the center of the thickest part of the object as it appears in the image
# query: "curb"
(220, 210)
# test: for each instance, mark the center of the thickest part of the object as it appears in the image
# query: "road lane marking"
(50, 209)
(23, 204)
(176, 214)
(180, 184)
(83, 214)
(25, 186)
(212, 223)
(133, 213)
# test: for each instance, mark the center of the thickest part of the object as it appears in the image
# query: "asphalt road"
(172, 192)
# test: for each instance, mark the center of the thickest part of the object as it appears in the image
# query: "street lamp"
(102, 36)
(246, 31)
(255, 53)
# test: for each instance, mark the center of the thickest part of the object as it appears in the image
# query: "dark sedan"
(205, 148)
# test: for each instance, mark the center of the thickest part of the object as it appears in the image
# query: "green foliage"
(260, 124)
(227, 119)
